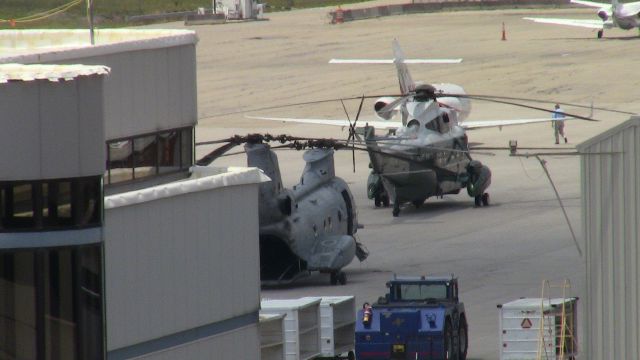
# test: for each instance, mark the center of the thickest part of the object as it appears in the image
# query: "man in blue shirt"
(558, 123)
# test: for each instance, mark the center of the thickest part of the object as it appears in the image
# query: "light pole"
(90, 18)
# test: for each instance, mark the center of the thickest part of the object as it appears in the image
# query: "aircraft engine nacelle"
(380, 104)
(462, 106)
(602, 14)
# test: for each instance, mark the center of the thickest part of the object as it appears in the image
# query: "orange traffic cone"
(504, 33)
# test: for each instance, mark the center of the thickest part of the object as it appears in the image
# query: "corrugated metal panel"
(611, 218)
(149, 90)
(52, 129)
(175, 263)
(54, 73)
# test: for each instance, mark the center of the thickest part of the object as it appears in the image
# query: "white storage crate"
(271, 336)
(337, 324)
(301, 326)
(520, 322)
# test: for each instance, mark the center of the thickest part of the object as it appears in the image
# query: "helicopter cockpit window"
(413, 124)
(444, 123)
(432, 125)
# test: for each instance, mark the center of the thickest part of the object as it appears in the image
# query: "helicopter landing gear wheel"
(485, 199)
(600, 33)
(418, 203)
(342, 278)
(338, 277)
(396, 209)
(477, 201)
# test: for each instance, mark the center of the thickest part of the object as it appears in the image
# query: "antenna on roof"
(90, 18)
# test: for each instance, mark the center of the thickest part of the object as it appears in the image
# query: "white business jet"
(624, 16)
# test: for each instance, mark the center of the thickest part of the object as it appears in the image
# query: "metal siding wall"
(629, 221)
(59, 136)
(239, 344)
(52, 129)
(91, 126)
(611, 193)
(148, 90)
(180, 262)
(21, 122)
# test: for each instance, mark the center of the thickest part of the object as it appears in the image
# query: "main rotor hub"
(425, 92)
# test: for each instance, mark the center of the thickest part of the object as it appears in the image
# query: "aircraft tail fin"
(404, 77)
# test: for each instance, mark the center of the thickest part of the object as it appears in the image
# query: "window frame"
(182, 134)
(78, 201)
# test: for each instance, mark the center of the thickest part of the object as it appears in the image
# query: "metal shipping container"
(520, 323)
(272, 336)
(301, 326)
(337, 324)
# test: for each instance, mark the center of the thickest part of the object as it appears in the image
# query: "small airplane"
(426, 153)
(310, 227)
(625, 16)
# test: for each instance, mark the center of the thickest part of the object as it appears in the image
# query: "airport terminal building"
(112, 244)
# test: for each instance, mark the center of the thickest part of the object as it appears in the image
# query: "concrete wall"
(611, 228)
(181, 263)
(52, 129)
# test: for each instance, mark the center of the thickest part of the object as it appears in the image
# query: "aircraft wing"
(391, 61)
(479, 124)
(590, 24)
(590, 3)
(337, 122)
(632, 7)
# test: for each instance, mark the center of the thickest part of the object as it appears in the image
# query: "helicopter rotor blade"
(590, 106)
(351, 126)
(210, 157)
(514, 104)
(352, 134)
(435, 148)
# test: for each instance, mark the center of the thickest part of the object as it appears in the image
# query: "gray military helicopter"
(310, 227)
(425, 151)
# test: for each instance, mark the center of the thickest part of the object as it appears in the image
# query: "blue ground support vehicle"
(420, 318)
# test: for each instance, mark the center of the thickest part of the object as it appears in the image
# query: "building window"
(51, 304)
(144, 156)
(44, 205)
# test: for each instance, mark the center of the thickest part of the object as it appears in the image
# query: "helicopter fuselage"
(427, 157)
(309, 227)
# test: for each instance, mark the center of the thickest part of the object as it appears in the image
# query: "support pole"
(573, 234)
(90, 19)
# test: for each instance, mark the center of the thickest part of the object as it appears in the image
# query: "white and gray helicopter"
(425, 152)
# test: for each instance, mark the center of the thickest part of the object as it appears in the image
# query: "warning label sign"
(526, 323)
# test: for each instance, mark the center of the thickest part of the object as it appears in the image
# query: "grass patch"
(113, 13)
(108, 13)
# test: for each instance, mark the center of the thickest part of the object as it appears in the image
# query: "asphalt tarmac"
(499, 253)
